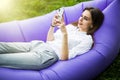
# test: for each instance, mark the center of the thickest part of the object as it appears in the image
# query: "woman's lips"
(80, 23)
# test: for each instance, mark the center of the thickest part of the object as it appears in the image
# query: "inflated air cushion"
(84, 67)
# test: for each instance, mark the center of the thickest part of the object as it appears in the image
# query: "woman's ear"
(91, 26)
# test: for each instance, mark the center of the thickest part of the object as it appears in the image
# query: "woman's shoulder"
(70, 27)
(89, 38)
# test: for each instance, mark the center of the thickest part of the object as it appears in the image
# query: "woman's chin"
(79, 25)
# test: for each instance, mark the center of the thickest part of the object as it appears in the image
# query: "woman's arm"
(61, 25)
(50, 35)
(64, 45)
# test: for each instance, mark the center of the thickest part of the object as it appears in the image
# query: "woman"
(68, 42)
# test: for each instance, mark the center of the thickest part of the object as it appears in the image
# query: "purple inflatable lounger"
(83, 67)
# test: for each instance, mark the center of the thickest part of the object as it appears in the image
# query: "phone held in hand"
(60, 13)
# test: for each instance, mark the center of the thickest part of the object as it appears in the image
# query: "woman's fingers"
(56, 21)
(56, 16)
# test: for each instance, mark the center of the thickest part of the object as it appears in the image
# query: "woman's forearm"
(50, 35)
(64, 47)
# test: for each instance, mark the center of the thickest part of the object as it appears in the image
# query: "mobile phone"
(60, 12)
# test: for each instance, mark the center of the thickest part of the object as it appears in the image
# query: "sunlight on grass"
(22, 9)
(5, 5)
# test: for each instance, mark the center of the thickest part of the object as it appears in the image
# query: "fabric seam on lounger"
(109, 3)
(21, 31)
(43, 75)
(100, 52)
(56, 74)
(40, 75)
(65, 17)
(105, 5)
(82, 6)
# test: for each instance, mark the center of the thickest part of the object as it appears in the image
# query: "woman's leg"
(39, 57)
(19, 60)
(14, 47)
(29, 60)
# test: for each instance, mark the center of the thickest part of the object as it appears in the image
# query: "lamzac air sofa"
(84, 67)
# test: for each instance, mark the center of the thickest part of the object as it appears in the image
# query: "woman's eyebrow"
(87, 17)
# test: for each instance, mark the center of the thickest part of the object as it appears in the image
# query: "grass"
(23, 9)
(112, 72)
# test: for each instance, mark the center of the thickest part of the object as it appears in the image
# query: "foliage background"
(23, 9)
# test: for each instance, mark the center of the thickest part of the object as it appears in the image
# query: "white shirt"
(78, 42)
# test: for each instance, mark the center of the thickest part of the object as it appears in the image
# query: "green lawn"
(23, 9)
(112, 72)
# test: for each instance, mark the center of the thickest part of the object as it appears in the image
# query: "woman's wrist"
(63, 30)
(64, 33)
(52, 25)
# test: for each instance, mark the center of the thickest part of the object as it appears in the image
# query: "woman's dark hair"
(97, 19)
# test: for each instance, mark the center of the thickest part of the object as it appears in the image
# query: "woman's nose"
(80, 18)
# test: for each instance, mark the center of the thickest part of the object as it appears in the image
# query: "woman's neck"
(81, 30)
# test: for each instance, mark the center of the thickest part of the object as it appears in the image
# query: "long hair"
(97, 19)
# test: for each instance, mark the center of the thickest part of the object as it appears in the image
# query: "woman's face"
(85, 21)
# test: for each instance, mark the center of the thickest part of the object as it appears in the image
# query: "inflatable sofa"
(84, 67)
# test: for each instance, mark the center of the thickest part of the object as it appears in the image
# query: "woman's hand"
(59, 23)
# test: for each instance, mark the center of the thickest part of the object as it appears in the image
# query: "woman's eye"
(85, 18)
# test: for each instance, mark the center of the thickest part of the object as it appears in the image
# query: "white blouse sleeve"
(81, 48)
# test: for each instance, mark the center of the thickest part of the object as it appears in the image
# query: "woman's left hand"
(57, 21)
(61, 24)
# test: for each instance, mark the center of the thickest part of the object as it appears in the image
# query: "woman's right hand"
(57, 21)
(60, 23)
